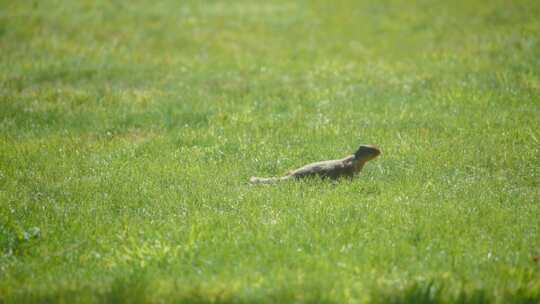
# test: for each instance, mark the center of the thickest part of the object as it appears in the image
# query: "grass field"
(128, 131)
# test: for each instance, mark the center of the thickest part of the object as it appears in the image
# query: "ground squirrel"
(333, 169)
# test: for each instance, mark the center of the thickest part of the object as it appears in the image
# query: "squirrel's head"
(367, 152)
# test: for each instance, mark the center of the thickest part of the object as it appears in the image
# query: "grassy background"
(128, 131)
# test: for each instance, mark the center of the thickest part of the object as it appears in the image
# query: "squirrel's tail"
(267, 180)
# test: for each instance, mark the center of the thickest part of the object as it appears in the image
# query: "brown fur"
(346, 167)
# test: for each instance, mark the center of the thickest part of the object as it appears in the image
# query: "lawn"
(129, 131)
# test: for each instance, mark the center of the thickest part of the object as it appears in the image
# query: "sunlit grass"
(128, 133)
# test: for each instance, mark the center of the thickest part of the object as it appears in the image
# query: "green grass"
(128, 131)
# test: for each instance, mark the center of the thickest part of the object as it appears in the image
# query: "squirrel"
(334, 169)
